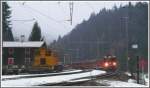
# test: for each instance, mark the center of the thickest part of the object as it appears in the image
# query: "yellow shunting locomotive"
(45, 61)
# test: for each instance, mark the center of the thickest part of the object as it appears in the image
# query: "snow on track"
(78, 80)
(44, 80)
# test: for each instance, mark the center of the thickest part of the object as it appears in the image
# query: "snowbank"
(24, 82)
(128, 73)
(17, 76)
(146, 78)
(79, 80)
(125, 84)
(113, 83)
(132, 81)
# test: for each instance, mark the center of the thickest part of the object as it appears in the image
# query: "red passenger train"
(108, 63)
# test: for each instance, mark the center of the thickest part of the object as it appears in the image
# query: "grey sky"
(51, 15)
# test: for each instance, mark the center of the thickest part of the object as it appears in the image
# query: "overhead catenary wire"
(61, 8)
(51, 18)
(44, 15)
(90, 6)
(30, 12)
(35, 20)
(63, 11)
(59, 22)
(71, 6)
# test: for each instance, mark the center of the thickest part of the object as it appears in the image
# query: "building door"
(42, 61)
(27, 56)
(10, 56)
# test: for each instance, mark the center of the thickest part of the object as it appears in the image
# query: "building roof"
(23, 44)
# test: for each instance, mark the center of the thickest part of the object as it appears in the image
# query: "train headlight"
(114, 63)
(106, 64)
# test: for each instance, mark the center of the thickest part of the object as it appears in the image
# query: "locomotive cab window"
(42, 61)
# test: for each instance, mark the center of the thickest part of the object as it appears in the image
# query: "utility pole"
(77, 54)
(70, 59)
(127, 41)
(65, 56)
(64, 59)
(71, 11)
(135, 46)
(126, 32)
(98, 48)
(138, 70)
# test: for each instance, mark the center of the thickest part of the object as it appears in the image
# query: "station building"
(19, 53)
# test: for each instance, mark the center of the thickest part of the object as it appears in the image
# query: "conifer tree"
(7, 33)
(36, 33)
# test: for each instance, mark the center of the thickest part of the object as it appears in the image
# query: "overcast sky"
(52, 15)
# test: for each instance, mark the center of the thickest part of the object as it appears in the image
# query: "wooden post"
(137, 69)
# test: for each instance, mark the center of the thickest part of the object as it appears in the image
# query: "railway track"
(42, 75)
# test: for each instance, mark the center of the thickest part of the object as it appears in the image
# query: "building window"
(27, 51)
(27, 60)
(48, 53)
(11, 51)
(42, 61)
(10, 61)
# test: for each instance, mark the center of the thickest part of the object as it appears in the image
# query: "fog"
(52, 16)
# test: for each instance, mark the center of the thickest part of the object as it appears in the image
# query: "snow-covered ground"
(26, 75)
(24, 82)
(144, 78)
(113, 83)
(128, 73)
(78, 80)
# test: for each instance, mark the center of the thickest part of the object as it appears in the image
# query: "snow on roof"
(23, 44)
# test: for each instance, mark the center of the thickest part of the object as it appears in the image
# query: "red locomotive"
(108, 63)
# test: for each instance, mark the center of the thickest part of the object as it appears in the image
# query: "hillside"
(112, 32)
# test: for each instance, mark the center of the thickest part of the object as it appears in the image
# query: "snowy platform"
(4, 77)
(26, 82)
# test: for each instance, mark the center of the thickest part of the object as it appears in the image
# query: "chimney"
(22, 38)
